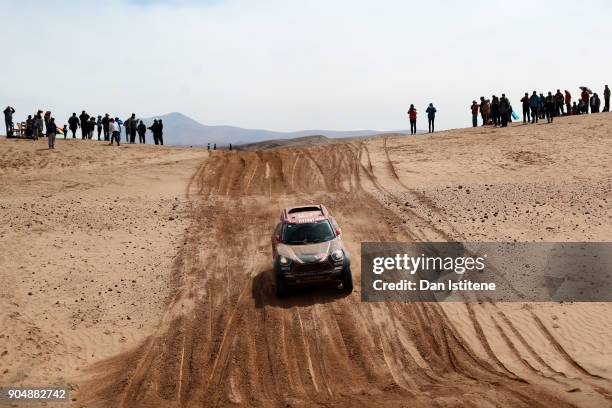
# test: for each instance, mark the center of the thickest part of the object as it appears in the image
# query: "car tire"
(347, 280)
(281, 287)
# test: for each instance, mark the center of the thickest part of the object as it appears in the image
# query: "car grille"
(312, 268)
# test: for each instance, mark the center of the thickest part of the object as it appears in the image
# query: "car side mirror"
(338, 231)
(277, 237)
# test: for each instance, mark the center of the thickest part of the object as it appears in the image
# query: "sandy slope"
(224, 339)
(87, 248)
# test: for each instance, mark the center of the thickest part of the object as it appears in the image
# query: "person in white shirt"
(113, 127)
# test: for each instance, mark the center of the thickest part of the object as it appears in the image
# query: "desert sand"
(89, 234)
(142, 277)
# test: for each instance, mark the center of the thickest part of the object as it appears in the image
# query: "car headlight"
(337, 255)
(283, 260)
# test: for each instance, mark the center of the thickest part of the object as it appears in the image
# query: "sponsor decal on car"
(308, 220)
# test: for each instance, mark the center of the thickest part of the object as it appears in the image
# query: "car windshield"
(308, 233)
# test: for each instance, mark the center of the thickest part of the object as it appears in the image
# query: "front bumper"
(310, 273)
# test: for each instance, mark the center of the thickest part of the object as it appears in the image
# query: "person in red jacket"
(568, 101)
(412, 114)
(585, 99)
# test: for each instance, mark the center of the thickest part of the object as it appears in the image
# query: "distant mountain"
(181, 130)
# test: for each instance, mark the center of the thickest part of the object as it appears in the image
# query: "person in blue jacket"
(534, 104)
(119, 123)
(431, 116)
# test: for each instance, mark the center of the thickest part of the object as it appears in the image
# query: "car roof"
(304, 214)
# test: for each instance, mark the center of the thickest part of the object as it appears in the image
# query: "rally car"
(307, 248)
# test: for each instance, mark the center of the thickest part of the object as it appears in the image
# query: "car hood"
(310, 252)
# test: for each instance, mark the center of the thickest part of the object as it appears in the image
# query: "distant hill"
(181, 130)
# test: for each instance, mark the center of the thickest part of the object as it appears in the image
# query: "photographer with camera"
(8, 120)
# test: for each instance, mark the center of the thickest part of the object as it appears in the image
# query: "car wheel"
(347, 280)
(281, 287)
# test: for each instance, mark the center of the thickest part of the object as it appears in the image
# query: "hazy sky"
(291, 65)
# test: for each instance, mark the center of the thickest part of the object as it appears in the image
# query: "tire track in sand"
(316, 348)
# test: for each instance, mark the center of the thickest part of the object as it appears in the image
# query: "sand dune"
(205, 328)
(89, 234)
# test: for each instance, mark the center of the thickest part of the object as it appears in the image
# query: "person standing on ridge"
(526, 106)
(84, 119)
(38, 125)
(47, 121)
(99, 125)
(495, 110)
(73, 124)
(29, 131)
(485, 110)
(559, 102)
(119, 122)
(160, 136)
(51, 132)
(534, 104)
(606, 99)
(153, 128)
(87, 127)
(31, 126)
(412, 114)
(585, 100)
(474, 108)
(114, 129)
(8, 120)
(549, 104)
(65, 130)
(431, 117)
(131, 127)
(105, 127)
(127, 125)
(92, 127)
(504, 110)
(595, 103)
(142, 130)
(542, 107)
(134, 128)
(208, 146)
(230, 147)
(568, 101)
